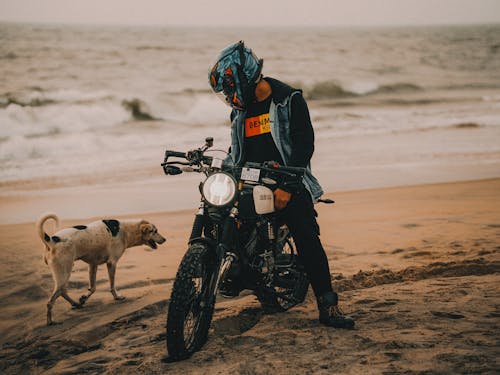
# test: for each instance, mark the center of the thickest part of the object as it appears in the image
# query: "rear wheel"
(189, 313)
(290, 281)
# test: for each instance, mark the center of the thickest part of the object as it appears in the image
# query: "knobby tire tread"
(195, 256)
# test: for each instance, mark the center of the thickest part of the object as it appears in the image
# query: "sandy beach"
(418, 267)
(407, 130)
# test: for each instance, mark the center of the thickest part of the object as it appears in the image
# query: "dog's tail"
(46, 239)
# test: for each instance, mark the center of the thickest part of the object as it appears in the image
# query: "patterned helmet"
(235, 75)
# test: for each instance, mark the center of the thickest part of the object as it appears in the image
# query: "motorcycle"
(237, 240)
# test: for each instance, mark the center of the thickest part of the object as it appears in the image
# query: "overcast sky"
(253, 12)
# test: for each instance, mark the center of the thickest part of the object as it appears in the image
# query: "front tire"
(189, 312)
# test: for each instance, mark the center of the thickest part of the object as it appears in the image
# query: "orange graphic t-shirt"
(259, 144)
(257, 125)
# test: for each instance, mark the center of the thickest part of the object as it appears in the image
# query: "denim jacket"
(279, 116)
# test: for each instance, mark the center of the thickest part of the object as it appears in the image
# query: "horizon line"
(237, 26)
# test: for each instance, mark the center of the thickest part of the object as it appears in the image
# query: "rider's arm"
(302, 137)
(301, 132)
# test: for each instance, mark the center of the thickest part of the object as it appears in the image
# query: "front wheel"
(190, 312)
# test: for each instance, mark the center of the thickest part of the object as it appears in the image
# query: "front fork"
(225, 257)
(199, 221)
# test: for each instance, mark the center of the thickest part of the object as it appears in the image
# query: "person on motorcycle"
(271, 122)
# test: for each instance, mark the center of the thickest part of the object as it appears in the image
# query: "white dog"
(99, 242)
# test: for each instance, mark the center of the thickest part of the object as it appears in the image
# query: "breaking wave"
(334, 90)
(9, 56)
(46, 133)
(327, 90)
(396, 88)
(472, 86)
(37, 97)
(36, 113)
(139, 109)
(466, 125)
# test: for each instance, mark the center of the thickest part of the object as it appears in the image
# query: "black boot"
(330, 313)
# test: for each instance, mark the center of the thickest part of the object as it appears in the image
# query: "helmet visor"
(232, 90)
(227, 87)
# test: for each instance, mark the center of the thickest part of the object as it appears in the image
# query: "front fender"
(210, 243)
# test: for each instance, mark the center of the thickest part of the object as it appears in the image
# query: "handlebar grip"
(326, 200)
(175, 154)
(285, 168)
(299, 171)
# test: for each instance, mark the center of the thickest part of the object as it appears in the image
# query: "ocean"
(390, 106)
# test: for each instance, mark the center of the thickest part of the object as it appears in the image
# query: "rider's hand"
(281, 198)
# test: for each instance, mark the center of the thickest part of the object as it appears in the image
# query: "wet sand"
(418, 267)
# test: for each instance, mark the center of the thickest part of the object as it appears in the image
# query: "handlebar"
(193, 157)
(175, 154)
(196, 161)
(273, 166)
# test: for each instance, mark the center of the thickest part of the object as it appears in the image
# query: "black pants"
(300, 217)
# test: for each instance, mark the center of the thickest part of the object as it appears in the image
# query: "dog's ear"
(145, 227)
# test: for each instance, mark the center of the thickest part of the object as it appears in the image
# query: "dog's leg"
(73, 303)
(61, 271)
(111, 273)
(50, 304)
(92, 278)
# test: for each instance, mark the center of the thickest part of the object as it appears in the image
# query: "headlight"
(219, 189)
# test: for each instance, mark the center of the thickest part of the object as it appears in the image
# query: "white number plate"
(250, 174)
(216, 163)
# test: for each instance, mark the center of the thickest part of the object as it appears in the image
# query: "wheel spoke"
(193, 316)
(291, 285)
